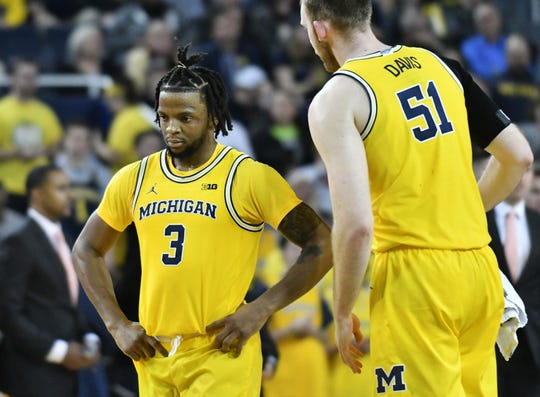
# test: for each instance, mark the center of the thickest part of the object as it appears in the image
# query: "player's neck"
(357, 45)
(199, 157)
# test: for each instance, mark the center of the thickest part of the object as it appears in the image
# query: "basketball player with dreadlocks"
(199, 209)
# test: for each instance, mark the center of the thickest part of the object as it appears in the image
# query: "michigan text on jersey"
(177, 206)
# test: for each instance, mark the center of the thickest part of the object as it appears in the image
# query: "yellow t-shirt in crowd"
(125, 127)
(25, 124)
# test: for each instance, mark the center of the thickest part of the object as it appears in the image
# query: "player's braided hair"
(185, 77)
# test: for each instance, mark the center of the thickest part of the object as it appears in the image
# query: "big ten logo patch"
(394, 379)
(209, 186)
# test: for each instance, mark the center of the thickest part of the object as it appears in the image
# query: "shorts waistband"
(184, 341)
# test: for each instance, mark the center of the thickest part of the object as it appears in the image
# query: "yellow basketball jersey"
(198, 231)
(419, 154)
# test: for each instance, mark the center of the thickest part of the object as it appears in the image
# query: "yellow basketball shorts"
(302, 370)
(435, 315)
(196, 369)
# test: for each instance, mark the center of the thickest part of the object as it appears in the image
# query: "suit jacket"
(35, 310)
(528, 284)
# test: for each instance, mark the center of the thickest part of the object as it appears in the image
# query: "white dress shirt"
(523, 237)
(59, 349)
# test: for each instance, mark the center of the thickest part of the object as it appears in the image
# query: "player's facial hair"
(189, 150)
(328, 58)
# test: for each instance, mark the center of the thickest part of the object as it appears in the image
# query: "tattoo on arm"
(299, 225)
(309, 250)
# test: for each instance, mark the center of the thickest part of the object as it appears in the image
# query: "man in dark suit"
(41, 322)
(521, 264)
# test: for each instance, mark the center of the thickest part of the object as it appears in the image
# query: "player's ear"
(321, 30)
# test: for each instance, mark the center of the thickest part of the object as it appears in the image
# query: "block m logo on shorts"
(393, 379)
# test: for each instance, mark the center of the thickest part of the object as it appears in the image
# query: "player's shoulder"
(251, 171)
(340, 95)
(248, 164)
(335, 90)
(235, 156)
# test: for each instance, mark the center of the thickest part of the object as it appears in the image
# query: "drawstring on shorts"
(176, 341)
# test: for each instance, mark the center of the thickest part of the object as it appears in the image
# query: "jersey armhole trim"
(140, 177)
(448, 69)
(229, 201)
(372, 101)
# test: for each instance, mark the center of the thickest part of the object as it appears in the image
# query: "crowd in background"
(78, 85)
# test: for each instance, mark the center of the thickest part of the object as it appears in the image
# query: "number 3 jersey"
(419, 153)
(198, 231)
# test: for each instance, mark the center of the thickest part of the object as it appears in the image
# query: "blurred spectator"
(310, 182)
(272, 22)
(238, 138)
(43, 346)
(484, 52)
(87, 175)
(519, 375)
(10, 220)
(29, 132)
(85, 50)
(297, 331)
(62, 10)
(40, 16)
(124, 27)
(533, 196)
(131, 117)
(156, 45)
(192, 15)
(450, 20)
(12, 13)
(536, 121)
(281, 144)
(515, 90)
(192, 9)
(155, 69)
(87, 15)
(250, 96)
(148, 142)
(228, 49)
(296, 69)
(384, 19)
(416, 30)
(522, 17)
(159, 9)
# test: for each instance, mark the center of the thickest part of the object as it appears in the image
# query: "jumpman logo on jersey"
(152, 189)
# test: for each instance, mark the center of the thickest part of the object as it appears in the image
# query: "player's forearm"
(312, 264)
(352, 248)
(511, 156)
(97, 283)
(497, 182)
